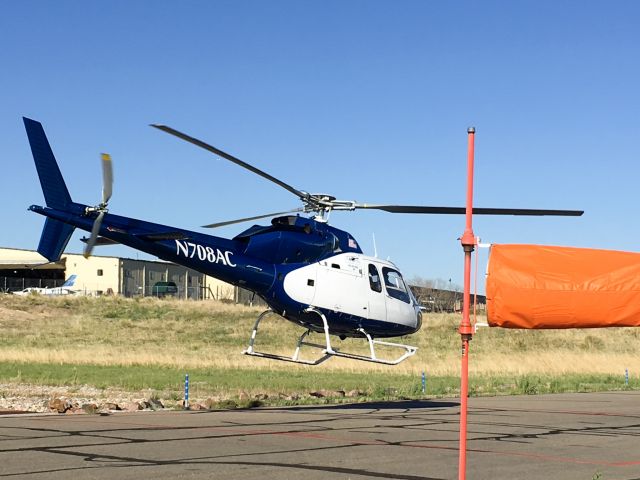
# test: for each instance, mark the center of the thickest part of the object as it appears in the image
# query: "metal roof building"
(99, 275)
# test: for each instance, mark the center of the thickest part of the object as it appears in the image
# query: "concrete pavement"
(565, 436)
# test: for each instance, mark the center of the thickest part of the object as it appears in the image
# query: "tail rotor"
(107, 190)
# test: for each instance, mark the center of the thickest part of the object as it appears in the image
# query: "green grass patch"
(277, 387)
(207, 380)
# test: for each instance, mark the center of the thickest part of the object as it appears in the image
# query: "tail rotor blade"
(107, 178)
(94, 235)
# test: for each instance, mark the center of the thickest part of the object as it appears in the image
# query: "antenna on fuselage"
(375, 247)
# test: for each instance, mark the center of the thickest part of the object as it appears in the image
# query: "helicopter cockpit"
(395, 285)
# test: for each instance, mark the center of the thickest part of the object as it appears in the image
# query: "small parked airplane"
(64, 289)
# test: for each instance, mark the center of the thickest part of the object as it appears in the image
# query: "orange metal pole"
(466, 329)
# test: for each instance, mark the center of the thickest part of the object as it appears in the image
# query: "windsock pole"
(468, 242)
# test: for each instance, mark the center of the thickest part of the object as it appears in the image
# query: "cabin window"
(395, 285)
(100, 272)
(336, 244)
(374, 278)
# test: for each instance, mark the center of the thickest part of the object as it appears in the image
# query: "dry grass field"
(119, 331)
(151, 335)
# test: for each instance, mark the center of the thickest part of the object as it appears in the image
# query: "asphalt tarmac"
(566, 436)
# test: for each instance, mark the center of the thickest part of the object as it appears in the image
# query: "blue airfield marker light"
(424, 383)
(186, 392)
(626, 377)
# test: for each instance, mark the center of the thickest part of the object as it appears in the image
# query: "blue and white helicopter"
(307, 271)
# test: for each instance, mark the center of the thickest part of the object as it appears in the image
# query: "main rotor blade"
(257, 217)
(477, 211)
(94, 235)
(231, 158)
(107, 178)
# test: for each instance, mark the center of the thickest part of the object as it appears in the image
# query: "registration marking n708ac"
(209, 254)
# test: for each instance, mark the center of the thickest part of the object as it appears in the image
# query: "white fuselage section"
(45, 291)
(357, 285)
(64, 289)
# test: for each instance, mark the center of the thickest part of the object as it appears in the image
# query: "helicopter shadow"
(379, 405)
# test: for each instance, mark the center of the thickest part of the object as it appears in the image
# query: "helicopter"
(307, 271)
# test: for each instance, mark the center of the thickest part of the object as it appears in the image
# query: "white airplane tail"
(70, 281)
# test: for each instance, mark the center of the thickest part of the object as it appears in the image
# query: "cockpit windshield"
(395, 285)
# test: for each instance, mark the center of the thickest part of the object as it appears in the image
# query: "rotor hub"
(323, 197)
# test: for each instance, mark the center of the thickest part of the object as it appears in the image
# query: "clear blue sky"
(366, 100)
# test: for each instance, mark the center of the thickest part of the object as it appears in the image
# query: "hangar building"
(98, 275)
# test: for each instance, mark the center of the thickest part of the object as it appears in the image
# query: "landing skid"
(327, 351)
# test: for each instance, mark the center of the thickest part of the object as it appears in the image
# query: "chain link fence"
(159, 290)
(17, 284)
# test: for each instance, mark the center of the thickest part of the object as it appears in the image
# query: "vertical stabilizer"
(70, 281)
(55, 234)
(54, 239)
(55, 190)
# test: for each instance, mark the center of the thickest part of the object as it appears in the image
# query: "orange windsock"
(533, 286)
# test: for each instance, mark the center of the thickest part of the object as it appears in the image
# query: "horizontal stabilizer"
(101, 241)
